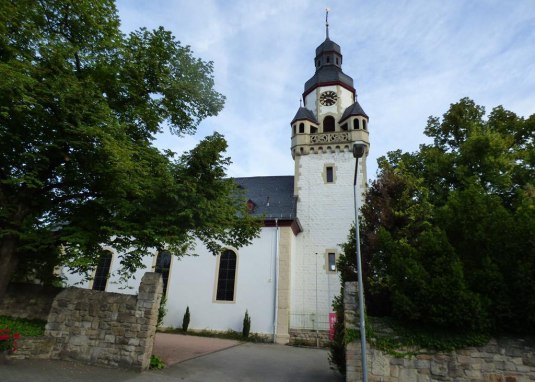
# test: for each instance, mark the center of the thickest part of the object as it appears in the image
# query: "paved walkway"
(243, 362)
(175, 348)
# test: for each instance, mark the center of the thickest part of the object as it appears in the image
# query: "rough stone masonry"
(503, 360)
(106, 328)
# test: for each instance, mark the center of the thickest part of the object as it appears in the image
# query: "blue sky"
(409, 60)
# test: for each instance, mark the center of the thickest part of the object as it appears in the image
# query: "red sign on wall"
(332, 321)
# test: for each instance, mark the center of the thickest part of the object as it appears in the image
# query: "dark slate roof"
(304, 113)
(328, 73)
(273, 196)
(327, 46)
(354, 109)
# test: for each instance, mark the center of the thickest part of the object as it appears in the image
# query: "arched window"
(294, 129)
(364, 124)
(163, 265)
(328, 124)
(226, 278)
(103, 269)
(301, 127)
(356, 124)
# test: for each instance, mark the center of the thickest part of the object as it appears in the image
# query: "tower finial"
(327, 23)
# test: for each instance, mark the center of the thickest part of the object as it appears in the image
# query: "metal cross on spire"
(327, 23)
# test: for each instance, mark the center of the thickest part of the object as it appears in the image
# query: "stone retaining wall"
(97, 327)
(106, 328)
(309, 337)
(29, 301)
(504, 360)
(34, 347)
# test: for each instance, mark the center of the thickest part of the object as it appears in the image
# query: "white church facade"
(286, 279)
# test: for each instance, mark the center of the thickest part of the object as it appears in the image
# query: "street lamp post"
(359, 149)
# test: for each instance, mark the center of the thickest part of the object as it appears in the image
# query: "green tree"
(448, 232)
(80, 105)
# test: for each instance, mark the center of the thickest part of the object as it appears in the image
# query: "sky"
(409, 60)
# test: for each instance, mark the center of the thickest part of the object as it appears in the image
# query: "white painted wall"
(326, 213)
(192, 282)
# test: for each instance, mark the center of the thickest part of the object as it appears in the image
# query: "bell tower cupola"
(331, 118)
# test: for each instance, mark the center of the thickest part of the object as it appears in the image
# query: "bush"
(337, 356)
(156, 362)
(246, 325)
(185, 321)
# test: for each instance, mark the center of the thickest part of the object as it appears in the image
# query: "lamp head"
(359, 148)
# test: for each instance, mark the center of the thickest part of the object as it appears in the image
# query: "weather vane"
(327, 22)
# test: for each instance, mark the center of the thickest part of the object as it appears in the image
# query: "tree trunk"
(8, 262)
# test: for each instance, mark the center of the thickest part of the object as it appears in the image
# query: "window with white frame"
(331, 259)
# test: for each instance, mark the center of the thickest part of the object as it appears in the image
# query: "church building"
(287, 278)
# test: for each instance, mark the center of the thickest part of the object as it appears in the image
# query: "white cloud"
(409, 60)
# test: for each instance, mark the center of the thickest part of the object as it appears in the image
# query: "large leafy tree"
(448, 233)
(80, 104)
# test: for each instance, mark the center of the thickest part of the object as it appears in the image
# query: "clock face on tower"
(328, 98)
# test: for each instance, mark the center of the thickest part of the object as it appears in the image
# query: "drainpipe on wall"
(276, 294)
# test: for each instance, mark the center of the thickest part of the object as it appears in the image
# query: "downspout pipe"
(276, 283)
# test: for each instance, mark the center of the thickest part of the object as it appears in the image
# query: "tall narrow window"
(332, 262)
(364, 124)
(226, 278)
(163, 265)
(103, 269)
(329, 174)
(356, 124)
(328, 124)
(301, 128)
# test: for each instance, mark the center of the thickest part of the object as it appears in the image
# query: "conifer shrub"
(185, 321)
(246, 325)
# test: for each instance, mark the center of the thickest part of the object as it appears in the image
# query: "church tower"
(323, 133)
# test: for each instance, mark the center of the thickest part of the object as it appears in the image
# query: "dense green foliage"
(24, 327)
(80, 105)
(448, 232)
(185, 320)
(448, 236)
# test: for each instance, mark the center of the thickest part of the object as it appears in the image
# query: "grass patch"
(26, 328)
(228, 335)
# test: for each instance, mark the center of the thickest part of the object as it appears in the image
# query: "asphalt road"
(245, 362)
